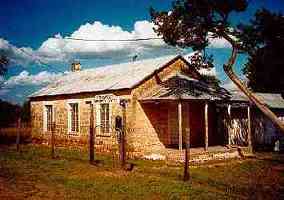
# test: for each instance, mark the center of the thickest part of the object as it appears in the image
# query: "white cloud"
(229, 85)
(25, 78)
(59, 48)
(21, 56)
(64, 48)
(218, 42)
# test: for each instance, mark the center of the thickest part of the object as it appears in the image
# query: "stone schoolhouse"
(165, 100)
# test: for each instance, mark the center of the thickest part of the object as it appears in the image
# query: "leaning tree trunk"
(228, 68)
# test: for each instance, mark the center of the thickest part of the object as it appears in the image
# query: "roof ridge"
(108, 77)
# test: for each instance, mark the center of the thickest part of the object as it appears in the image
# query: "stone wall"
(63, 136)
(142, 134)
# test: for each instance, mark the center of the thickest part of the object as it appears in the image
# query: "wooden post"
(52, 140)
(91, 138)
(122, 138)
(186, 175)
(180, 125)
(18, 134)
(249, 129)
(229, 127)
(206, 125)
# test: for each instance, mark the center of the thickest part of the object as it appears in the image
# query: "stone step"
(177, 156)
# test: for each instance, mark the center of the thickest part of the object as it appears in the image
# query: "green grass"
(32, 174)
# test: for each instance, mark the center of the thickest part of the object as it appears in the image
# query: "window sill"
(104, 135)
(75, 134)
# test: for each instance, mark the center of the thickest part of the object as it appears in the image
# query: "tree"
(26, 112)
(191, 22)
(264, 42)
(8, 113)
(3, 64)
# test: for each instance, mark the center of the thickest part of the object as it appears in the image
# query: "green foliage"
(3, 64)
(190, 22)
(26, 112)
(8, 113)
(263, 40)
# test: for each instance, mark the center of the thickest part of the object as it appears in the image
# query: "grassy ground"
(31, 174)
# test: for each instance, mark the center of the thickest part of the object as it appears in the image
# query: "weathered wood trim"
(229, 124)
(180, 125)
(206, 125)
(249, 128)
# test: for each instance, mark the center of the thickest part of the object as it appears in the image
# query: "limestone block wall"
(152, 131)
(142, 137)
(60, 109)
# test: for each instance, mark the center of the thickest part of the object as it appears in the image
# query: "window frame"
(69, 120)
(99, 119)
(105, 123)
(46, 127)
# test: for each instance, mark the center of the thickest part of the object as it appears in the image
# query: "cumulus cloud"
(229, 85)
(20, 56)
(63, 47)
(219, 43)
(25, 78)
(59, 48)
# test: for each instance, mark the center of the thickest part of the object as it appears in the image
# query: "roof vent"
(76, 66)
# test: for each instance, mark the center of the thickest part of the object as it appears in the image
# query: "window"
(105, 119)
(48, 118)
(74, 117)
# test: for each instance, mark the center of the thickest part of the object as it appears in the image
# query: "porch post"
(229, 133)
(249, 129)
(206, 125)
(180, 126)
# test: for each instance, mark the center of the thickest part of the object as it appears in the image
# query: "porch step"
(202, 156)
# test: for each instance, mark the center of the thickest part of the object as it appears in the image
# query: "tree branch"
(228, 68)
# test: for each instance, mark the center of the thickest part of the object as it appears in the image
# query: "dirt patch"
(6, 193)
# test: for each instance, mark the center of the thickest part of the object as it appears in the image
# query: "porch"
(198, 155)
(187, 113)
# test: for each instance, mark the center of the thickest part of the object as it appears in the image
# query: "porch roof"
(273, 100)
(180, 86)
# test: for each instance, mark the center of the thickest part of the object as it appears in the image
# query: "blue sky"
(28, 28)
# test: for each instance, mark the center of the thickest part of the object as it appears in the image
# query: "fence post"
(91, 139)
(18, 134)
(123, 138)
(186, 175)
(52, 140)
(123, 103)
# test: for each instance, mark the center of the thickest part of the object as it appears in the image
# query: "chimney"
(75, 67)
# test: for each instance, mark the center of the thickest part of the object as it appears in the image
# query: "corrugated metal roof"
(180, 86)
(112, 77)
(273, 100)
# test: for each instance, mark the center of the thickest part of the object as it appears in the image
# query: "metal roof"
(112, 77)
(179, 86)
(273, 100)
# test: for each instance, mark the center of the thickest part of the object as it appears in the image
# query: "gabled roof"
(112, 77)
